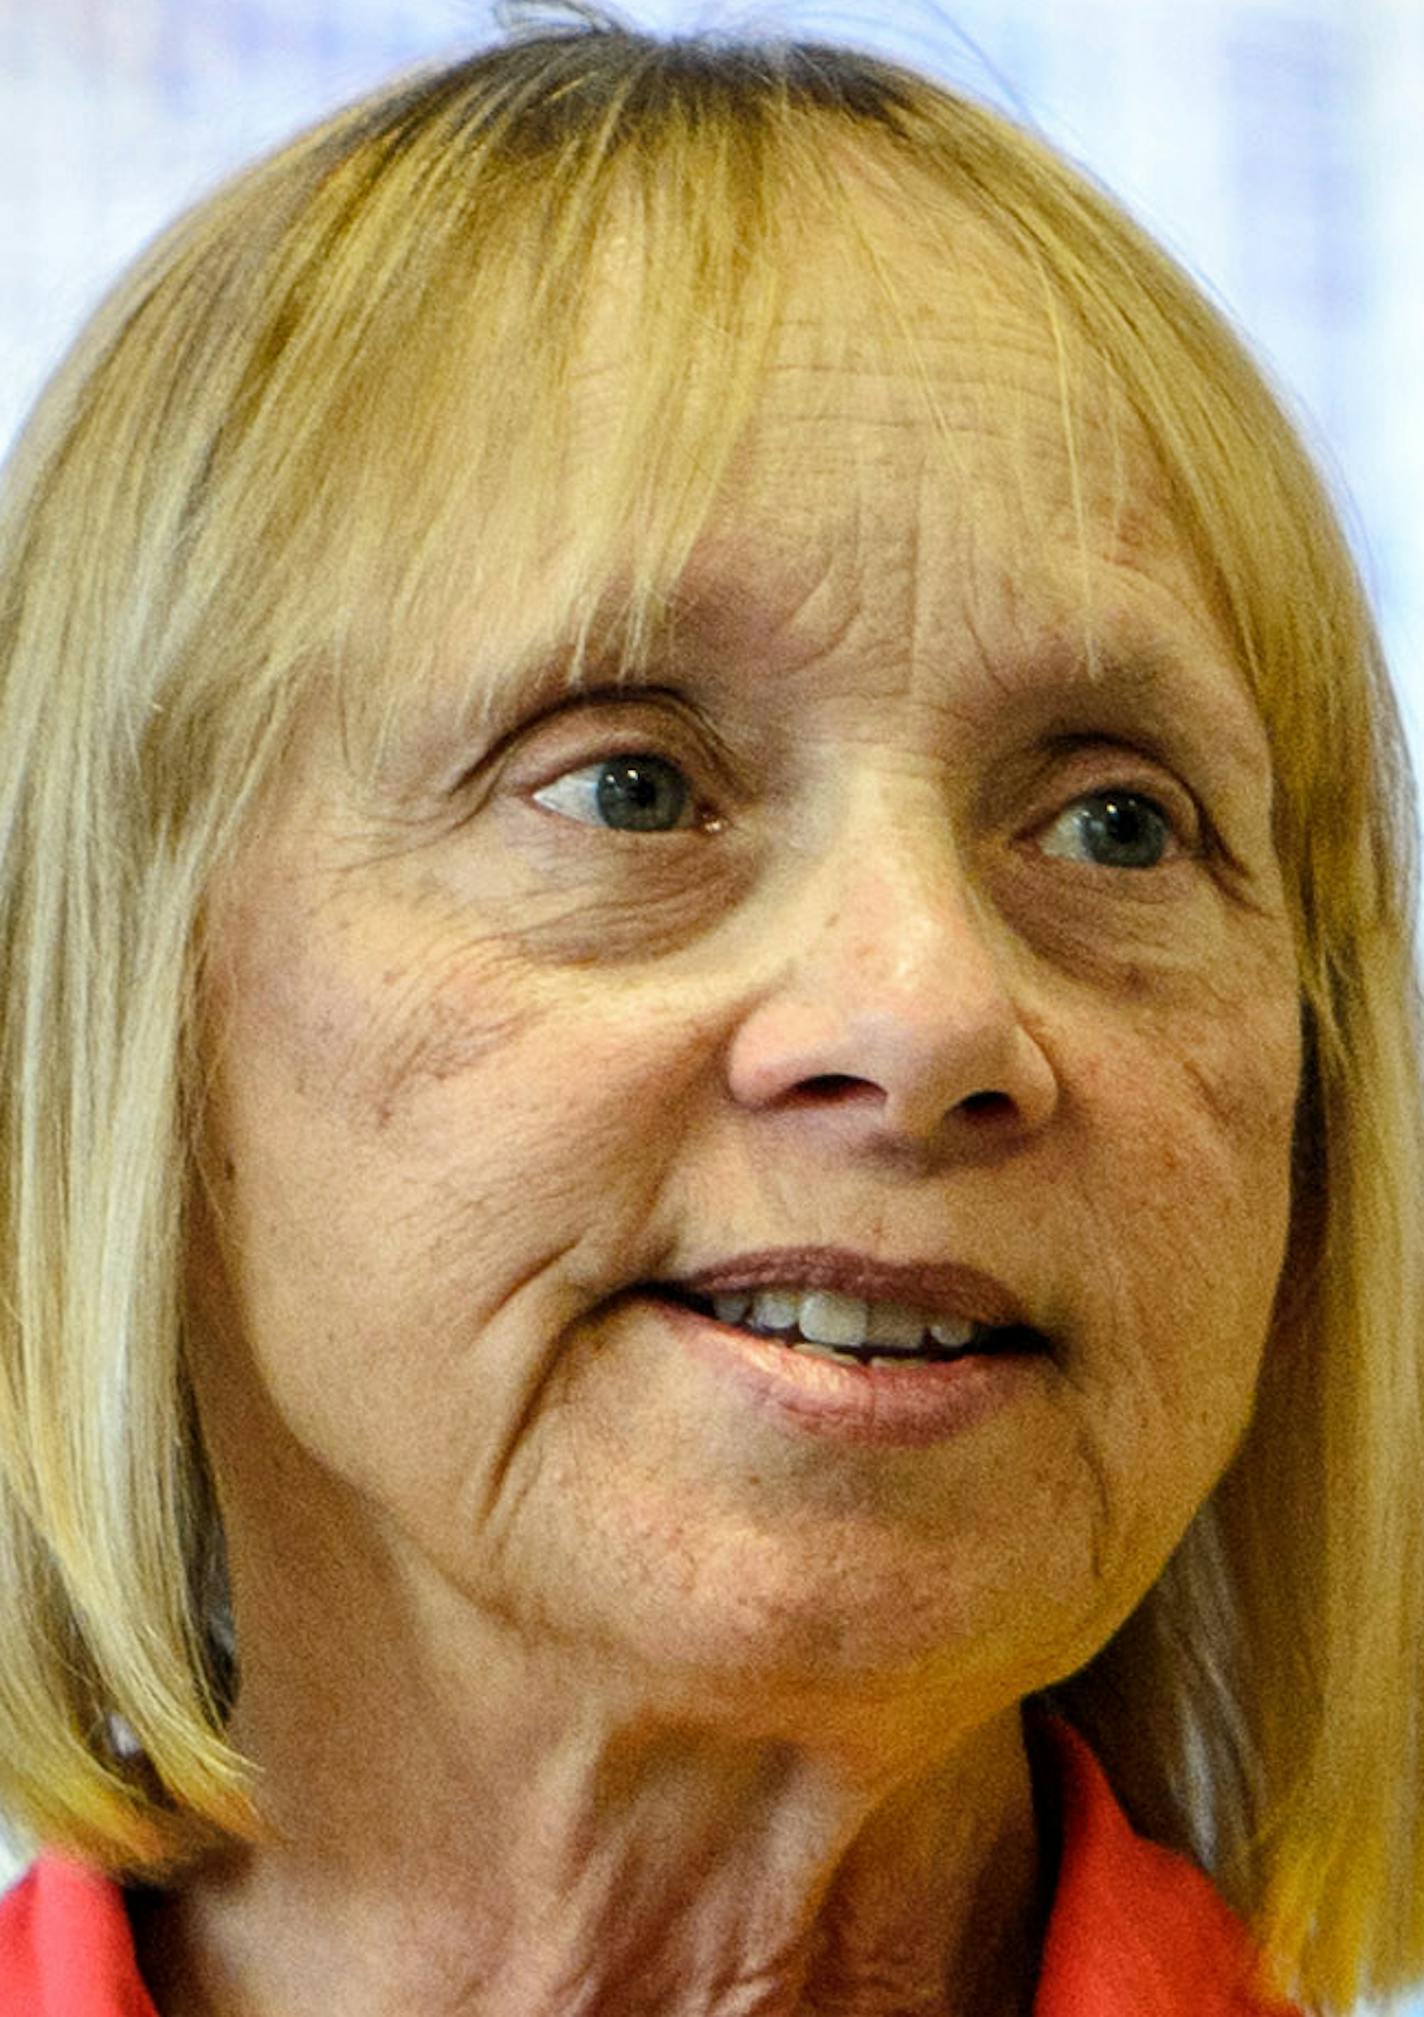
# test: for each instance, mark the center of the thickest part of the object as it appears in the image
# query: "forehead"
(966, 475)
(913, 384)
(948, 460)
(927, 448)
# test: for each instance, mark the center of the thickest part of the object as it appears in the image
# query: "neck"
(534, 1843)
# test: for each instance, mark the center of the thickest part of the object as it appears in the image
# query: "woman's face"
(872, 929)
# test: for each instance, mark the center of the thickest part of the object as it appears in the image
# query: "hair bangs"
(575, 445)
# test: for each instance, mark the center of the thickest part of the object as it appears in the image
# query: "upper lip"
(942, 1288)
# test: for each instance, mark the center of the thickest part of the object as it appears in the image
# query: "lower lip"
(892, 1406)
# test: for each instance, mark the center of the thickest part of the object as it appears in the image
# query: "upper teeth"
(825, 1318)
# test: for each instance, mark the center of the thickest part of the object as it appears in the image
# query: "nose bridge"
(891, 976)
(894, 909)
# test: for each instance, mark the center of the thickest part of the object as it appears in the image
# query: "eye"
(1111, 829)
(633, 792)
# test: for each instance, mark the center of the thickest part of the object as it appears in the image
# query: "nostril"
(843, 1088)
(834, 1087)
(985, 1106)
(833, 1084)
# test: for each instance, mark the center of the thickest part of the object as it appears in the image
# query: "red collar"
(65, 1947)
(1135, 1930)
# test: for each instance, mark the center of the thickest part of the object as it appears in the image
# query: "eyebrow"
(1152, 676)
(1181, 689)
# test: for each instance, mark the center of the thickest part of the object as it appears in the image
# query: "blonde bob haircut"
(323, 429)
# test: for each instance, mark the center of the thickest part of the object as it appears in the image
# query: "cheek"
(1185, 1203)
(429, 1151)
(407, 1093)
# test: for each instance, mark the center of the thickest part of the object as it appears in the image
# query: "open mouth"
(825, 1324)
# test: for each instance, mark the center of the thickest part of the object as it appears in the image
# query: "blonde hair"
(328, 414)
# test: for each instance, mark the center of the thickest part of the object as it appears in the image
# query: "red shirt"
(1135, 1930)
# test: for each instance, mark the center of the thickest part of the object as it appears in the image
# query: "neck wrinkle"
(922, 1910)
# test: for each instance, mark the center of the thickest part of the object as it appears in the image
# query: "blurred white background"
(1276, 145)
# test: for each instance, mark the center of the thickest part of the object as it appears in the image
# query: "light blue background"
(1276, 145)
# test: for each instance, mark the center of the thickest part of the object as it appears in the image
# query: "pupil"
(641, 794)
(1126, 831)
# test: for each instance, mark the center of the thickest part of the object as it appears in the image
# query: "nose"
(893, 1004)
